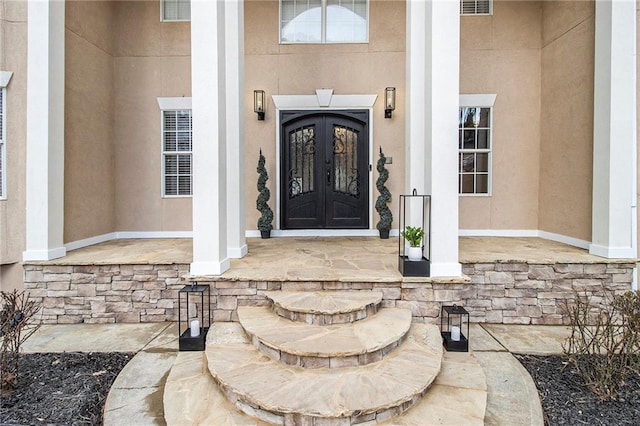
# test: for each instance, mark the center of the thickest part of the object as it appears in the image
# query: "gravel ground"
(566, 400)
(70, 389)
(62, 388)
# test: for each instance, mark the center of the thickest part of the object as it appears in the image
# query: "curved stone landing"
(325, 307)
(277, 393)
(325, 346)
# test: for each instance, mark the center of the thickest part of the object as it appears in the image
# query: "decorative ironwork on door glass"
(345, 161)
(302, 151)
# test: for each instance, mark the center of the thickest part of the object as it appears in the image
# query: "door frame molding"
(324, 100)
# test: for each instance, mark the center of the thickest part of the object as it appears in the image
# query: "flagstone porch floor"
(325, 258)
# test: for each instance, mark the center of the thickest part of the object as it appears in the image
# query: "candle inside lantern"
(455, 333)
(195, 328)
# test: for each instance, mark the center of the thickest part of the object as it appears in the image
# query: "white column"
(433, 63)
(234, 51)
(614, 220)
(209, 138)
(45, 131)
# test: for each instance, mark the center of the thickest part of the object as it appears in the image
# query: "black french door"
(324, 170)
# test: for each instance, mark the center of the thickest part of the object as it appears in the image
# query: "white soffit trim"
(284, 102)
(5, 77)
(478, 100)
(174, 103)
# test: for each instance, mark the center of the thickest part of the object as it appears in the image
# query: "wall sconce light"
(258, 103)
(389, 101)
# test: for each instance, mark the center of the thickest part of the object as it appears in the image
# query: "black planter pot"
(265, 234)
(384, 234)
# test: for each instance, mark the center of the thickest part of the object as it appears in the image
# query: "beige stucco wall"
(500, 54)
(151, 59)
(566, 146)
(13, 57)
(89, 190)
(345, 68)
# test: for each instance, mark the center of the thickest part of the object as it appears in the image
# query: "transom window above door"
(324, 21)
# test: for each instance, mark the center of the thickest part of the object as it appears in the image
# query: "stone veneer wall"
(509, 293)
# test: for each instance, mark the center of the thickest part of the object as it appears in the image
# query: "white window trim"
(162, 18)
(323, 29)
(172, 104)
(481, 101)
(5, 78)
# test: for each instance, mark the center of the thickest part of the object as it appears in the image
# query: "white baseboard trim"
(155, 234)
(125, 235)
(565, 239)
(254, 233)
(530, 233)
(498, 233)
(91, 241)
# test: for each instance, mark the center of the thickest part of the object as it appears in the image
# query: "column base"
(44, 255)
(237, 252)
(453, 269)
(209, 268)
(612, 252)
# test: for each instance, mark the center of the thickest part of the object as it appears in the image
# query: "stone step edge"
(287, 418)
(310, 361)
(329, 360)
(250, 406)
(311, 315)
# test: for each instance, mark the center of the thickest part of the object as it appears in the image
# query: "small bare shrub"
(16, 326)
(604, 341)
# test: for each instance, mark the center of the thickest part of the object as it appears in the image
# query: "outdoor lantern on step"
(193, 322)
(452, 323)
(414, 249)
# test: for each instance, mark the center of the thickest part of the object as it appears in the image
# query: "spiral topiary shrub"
(386, 217)
(266, 218)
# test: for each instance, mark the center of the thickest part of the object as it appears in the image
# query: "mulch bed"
(62, 388)
(566, 400)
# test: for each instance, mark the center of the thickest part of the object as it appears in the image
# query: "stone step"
(457, 396)
(325, 346)
(282, 394)
(192, 397)
(325, 307)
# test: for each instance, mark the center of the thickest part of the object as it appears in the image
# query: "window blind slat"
(177, 145)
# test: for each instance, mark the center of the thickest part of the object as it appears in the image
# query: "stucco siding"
(89, 142)
(500, 54)
(151, 60)
(13, 57)
(566, 147)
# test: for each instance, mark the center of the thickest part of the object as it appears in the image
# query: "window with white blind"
(3, 154)
(476, 7)
(176, 153)
(324, 21)
(175, 10)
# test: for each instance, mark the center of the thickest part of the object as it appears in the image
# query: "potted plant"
(386, 218)
(264, 223)
(414, 237)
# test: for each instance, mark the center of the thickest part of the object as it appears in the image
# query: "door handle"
(328, 176)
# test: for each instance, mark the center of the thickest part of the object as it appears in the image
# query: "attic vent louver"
(475, 7)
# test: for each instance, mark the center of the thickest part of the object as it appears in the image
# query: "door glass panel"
(345, 161)
(302, 151)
